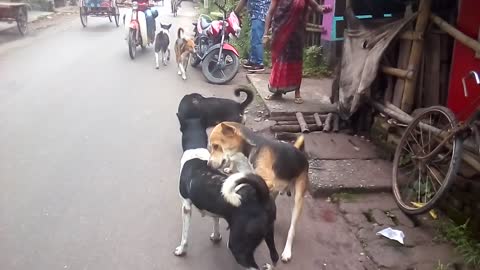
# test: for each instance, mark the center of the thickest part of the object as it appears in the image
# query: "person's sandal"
(298, 100)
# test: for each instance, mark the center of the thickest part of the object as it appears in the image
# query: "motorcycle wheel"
(132, 43)
(220, 75)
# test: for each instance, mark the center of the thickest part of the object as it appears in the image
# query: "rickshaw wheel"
(22, 20)
(83, 16)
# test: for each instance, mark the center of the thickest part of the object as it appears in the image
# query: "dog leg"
(182, 70)
(186, 216)
(270, 240)
(157, 66)
(168, 54)
(179, 70)
(300, 188)
(215, 237)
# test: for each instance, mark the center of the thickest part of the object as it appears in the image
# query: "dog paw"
(267, 267)
(286, 256)
(215, 238)
(184, 77)
(227, 170)
(179, 73)
(180, 251)
(157, 67)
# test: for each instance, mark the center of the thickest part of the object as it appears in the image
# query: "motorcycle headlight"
(134, 5)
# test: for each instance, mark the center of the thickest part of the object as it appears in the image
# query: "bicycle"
(429, 151)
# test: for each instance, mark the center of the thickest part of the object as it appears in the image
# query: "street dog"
(283, 166)
(183, 48)
(162, 41)
(242, 199)
(215, 110)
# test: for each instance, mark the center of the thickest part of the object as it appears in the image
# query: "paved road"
(89, 158)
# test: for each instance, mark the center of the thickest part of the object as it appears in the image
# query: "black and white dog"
(215, 110)
(162, 41)
(242, 199)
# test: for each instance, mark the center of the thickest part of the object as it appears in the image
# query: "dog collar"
(198, 153)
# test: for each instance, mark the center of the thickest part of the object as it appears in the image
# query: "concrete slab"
(334, 146)
(315, 93)
(420, 249)
(361, 176)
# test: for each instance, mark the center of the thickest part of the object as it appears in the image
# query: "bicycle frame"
(463, 127)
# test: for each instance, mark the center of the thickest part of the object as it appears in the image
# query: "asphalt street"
(90, 153)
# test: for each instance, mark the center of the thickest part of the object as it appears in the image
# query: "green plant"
(463, 240)
(313, 64)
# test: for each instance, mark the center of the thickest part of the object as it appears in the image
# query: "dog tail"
(180, 32)
(231, 184)
(248, 92)
(300, 143)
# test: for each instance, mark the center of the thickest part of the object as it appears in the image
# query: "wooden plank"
(431, 95)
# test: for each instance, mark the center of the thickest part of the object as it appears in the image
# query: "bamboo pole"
(455, 33)
(293, 128)
(415, 55)
(327, 127)
(397, 72)
(318, 121)
(302, 123)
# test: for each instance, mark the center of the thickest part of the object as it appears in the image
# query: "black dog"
(243, 200)
(215, 110)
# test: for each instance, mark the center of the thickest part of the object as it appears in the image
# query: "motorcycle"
(136, 28)
(220, 60)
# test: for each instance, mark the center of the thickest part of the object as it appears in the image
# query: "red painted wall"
(464, 61)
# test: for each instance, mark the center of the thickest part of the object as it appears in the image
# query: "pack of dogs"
(184, 46)
(235, 174)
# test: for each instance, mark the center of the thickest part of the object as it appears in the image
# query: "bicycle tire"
(452, 168)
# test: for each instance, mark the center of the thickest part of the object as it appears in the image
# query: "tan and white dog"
(183, 48)
(283, 166)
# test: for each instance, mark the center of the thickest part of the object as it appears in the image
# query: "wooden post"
(416, 55)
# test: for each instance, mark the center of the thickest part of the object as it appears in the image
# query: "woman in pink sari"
(287, 21)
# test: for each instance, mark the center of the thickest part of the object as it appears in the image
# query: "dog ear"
(169, 26)
(227, 130)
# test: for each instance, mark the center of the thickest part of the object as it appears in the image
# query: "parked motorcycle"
(136, 27)
(220, 60)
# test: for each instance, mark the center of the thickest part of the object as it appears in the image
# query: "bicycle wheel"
(418, 182)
